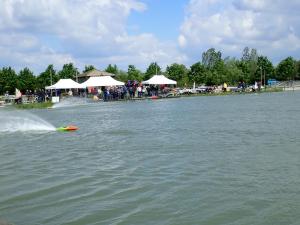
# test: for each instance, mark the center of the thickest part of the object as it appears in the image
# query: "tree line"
(212, 69)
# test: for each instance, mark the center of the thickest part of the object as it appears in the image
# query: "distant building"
(93, 73)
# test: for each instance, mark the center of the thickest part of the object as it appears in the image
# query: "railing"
(289, 85)
(11, 99)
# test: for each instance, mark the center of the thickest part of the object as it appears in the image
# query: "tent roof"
(159, 79)
(65, 84)
(95, 73)
(102, 81)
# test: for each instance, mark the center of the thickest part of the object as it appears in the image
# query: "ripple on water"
(208, 160)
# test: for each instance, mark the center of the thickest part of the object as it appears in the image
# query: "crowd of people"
(131, 90)
(28, 96)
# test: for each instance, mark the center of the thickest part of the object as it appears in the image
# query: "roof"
(65, 84)
(95, 73)
(159, 79)
(101, 82)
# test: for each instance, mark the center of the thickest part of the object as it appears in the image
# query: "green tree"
(246, 55)
(47, 78)
(253, 64)
(215, 67)
(248, 64)
(211, 78)
(8, 80)
(264, 69)
(244, 68)
(122, 76)
(88, 68)
(26, 80)
(177, 72)
(211, 58)
(68, 72)
(297, 77)
(112, 69)
(286, 69)
(197, 73)
(134, 74)
(233, 73)
(152, 69)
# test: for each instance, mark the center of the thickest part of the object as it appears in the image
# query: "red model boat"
(67, 128)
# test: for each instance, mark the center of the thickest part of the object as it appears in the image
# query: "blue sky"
(162, 17)
(36, 33)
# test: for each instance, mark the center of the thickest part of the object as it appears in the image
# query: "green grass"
(41, 105)
(45, 105)
(273, 89)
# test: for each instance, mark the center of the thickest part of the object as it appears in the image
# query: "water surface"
(199, 160)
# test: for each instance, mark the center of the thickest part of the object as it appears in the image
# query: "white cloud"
(182, 41)
(271, 26)
(36, 33)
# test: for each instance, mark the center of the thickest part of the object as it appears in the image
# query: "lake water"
(198, 160)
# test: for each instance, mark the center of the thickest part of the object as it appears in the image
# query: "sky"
(36, 33)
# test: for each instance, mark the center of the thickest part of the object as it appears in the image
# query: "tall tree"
(68, 72)
(8, 80)
(88, 68)
(214, 64)
(286, 69)
(249, 64)
(134, 74)
(177, 72)
(47, 78)
(264, 69)
(246, 54)
(122, 76)
(233, 73)
(297, 77)
(152, 69)
(112, 69)
(26, 80)
(211, 58)
(253, 64)
(197, 73)
(244, 68)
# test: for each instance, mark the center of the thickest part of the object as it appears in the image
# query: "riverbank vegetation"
(212, 69)
(36, 105)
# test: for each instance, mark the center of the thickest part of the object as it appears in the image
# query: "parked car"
(272, 82)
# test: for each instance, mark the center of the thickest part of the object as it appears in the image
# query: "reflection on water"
(199, 160)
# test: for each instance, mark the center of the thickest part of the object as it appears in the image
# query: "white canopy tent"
(104, 81)
(65, 84)
(159, 79)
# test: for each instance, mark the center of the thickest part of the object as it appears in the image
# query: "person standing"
(139, 90)
(224, 87)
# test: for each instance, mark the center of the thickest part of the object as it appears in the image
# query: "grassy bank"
(45, 105)
(42, 105)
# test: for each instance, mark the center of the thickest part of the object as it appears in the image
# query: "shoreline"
(47, 105)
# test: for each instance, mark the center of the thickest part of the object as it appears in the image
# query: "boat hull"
(67, 128)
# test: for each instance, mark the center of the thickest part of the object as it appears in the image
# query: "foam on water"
(15, 121)
(69, 102)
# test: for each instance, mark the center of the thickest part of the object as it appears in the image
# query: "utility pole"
(265, 80)
(51, 80)
(261, 75)
(294, 74)
(50, 77)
